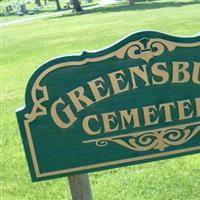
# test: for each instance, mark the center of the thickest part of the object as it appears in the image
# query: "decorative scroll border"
(157, 139)
(134, 50)
(105, 164)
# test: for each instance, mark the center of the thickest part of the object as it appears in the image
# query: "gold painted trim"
(146, 53)
(39, 174)
(158, 139)
(32, 149)
(119, 162)
(130, 49)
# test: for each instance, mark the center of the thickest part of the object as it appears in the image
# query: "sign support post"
(80, 187)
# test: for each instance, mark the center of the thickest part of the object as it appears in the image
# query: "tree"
(58, 5)
(38, 3)
(131, 2)
(76, 6)
(45, 2)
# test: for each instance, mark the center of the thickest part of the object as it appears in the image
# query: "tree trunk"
(58, 5)
(76, 6)
(38, 3)
(131, 1)
(45, 2)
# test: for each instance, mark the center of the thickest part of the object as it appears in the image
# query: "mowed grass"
(28, 45)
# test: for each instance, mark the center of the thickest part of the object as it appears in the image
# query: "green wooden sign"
(133, 102)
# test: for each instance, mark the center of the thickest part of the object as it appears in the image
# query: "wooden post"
(80, 187)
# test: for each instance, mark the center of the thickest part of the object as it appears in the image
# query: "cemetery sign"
(133, 102)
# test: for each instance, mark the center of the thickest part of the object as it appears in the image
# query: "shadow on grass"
(85, 6)
(121, 7)
(27, 14)
(44, 11)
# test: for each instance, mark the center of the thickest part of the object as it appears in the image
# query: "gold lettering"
(180, 73)
(163, 74)
(68, 112)
(109, 120)
(95, 86)
(133, 116)
(183, 106)
(197, 101)
(196, 73)
(149, 112)
(116, 78)
(78, 98)
(167, 110)
(142, 73)
(86, 126)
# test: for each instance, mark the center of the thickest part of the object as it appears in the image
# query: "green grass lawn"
(28, 45)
